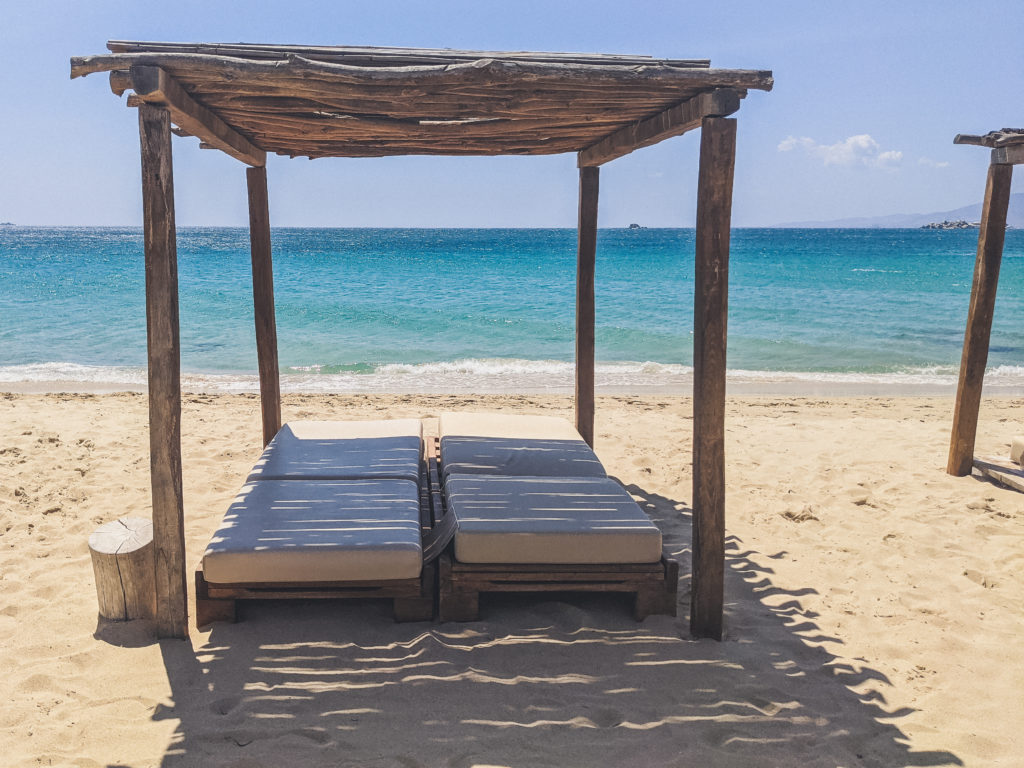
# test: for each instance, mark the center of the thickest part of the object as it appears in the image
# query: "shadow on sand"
(537, 682)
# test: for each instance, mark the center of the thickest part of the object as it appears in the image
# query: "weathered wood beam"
(162, 334)
(710, 314)
(1000, 138)
(1010, 155)
(263, 301)
(979, 319)
(586, 251)
(672, 122)
(488, 71)
(155, 86)
(120, 81)
(370, 55)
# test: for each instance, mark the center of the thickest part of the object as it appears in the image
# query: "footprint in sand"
(225, 706)
(606, 718)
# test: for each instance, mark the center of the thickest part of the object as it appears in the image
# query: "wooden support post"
(710, 313)
(164, 371)
(586, 252)
(979, 319)
(263, 301)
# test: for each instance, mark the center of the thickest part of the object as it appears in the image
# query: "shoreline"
(734, 388)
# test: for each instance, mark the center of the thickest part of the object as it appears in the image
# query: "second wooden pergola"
(247, 100)
(1007, 147)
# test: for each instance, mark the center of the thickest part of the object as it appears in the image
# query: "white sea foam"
(73, 373)
(502, 375)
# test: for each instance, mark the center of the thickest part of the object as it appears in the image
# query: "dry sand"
(874, 607)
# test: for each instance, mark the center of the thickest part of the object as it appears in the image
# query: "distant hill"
(1015, 218)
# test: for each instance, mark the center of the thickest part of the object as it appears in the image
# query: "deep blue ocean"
(493, 309)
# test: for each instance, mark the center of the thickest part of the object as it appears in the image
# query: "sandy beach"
(873, 606)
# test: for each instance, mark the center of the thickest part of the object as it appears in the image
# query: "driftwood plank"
(377, 56)
(710, 314)
(162, 334)
(1001, 138)
(979, 319)
(486, 71)
(1002, 471)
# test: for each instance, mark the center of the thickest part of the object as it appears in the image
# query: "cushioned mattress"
(548, 520)
(318, 530)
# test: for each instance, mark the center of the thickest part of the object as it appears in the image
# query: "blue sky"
(867, 100)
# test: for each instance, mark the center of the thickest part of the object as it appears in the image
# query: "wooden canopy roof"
(370, 102)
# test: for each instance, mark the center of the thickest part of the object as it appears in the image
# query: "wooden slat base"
(413, 599)
(653, 585)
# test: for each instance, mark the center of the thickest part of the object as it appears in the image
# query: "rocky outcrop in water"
(959, 224)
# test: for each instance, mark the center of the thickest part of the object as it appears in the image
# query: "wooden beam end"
(1011, 155)
(120, 81)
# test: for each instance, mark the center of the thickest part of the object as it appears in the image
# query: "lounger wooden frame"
(412, 599)
(653, 585)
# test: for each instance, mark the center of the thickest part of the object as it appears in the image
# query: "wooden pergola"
(1007, 147)
(248, 100)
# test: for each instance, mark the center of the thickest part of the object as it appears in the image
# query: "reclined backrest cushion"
(503, 444)
(343, 450)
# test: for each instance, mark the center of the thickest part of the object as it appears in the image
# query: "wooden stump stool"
(122, 559)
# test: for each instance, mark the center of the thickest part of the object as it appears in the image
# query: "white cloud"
(929, 163)
(855, 150)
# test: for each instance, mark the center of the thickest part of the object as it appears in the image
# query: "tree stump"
(122, 560)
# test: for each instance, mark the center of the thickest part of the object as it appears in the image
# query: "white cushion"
(501, 444)
(554, 520)
(309, 450)
(318, 530)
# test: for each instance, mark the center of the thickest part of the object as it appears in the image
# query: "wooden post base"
(653, 585)
(209, 610)
(658, 598)
(413, 608)
(122, 561)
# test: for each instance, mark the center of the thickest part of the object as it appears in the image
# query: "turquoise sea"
(493, 309)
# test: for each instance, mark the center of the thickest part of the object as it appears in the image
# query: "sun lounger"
(542, 531)
(331, 509)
